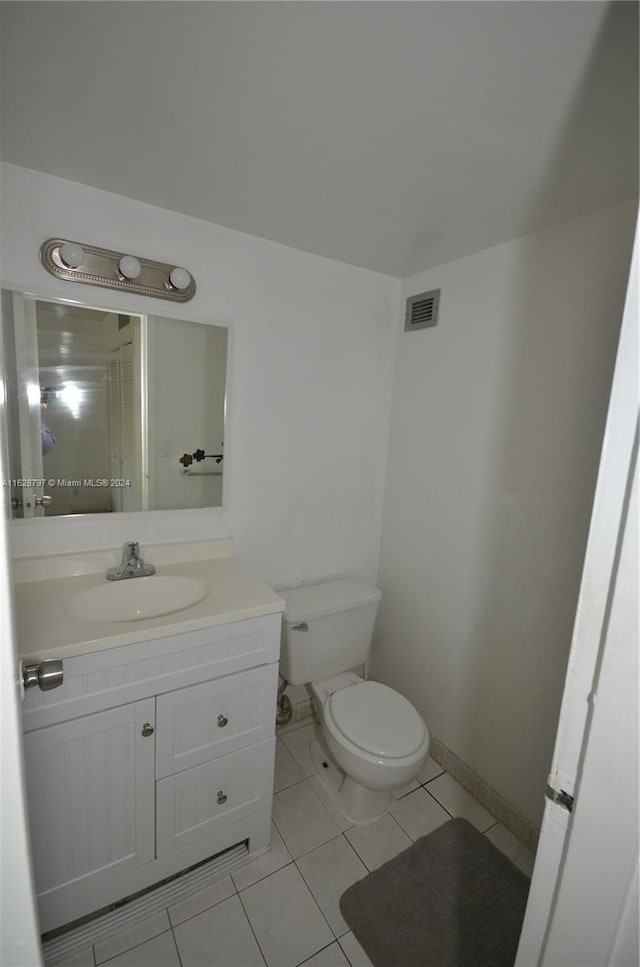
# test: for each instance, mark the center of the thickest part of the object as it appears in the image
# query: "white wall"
(496, 426)
(309, 378)
(187, 366)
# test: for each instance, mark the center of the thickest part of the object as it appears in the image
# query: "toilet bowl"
(375, 735)
(371, 740)
(376, 740)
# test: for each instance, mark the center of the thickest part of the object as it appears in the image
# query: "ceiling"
(390, 135)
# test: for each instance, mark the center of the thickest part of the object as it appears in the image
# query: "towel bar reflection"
(201, 473)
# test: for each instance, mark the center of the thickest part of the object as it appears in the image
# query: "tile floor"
(281, 910)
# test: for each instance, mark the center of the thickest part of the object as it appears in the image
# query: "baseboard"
(521, 828)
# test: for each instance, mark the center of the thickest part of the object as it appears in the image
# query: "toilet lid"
(377, 719)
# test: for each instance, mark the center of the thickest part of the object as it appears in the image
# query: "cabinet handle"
(222, 721)
(221, 798)
(147, 729)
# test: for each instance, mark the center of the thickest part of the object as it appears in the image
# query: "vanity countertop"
(45, 630)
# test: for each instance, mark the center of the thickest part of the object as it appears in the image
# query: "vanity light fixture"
(77, 262)
(129, 267)
(179, 278)
(71, 255)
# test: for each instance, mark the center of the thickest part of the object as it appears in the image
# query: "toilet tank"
(326, 629)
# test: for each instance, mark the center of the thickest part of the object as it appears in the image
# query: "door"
(91, 796)
(573, 913)
(19, 933)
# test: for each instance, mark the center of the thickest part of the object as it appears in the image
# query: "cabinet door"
(91, 801)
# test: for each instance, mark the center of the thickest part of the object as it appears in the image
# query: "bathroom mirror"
(110, 412)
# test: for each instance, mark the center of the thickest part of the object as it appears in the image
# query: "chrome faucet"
(131, 566)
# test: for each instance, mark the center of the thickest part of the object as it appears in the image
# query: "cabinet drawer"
(195, 803)
(202, 722)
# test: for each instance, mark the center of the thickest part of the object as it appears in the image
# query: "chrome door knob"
(45, 674)
(147, 729)
(221, 798)
(222, 721)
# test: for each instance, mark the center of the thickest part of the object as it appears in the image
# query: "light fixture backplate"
(100, 267)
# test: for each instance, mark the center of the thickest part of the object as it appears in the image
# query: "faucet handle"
(131, 549)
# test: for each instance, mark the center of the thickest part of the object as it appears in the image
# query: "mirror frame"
(143, 522)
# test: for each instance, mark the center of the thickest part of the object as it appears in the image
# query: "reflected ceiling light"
(179, 278)
(33, 394)
(72, 255)
(71, 396)
(129, 267)
(116, 270)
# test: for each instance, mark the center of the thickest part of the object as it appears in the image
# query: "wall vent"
(422, 310)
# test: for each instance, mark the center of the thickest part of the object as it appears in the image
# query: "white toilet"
(372, 742)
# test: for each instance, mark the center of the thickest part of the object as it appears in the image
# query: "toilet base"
(357, 804)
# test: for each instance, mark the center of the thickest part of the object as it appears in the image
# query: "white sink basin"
(134, 599)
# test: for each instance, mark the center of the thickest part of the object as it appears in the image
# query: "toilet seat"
(375, 720)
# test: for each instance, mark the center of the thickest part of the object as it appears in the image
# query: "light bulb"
(179, 278)
(71, 255)
(129, 267)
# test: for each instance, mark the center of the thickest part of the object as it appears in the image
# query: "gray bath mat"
(450, 900)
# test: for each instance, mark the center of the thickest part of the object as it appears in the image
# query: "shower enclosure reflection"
(101, 406)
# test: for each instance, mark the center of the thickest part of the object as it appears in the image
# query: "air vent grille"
(422, 310)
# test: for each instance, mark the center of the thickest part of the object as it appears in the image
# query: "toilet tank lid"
(315, 600)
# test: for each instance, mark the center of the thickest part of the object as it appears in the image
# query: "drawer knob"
(222, 721)
(147, 729)
(221, 798)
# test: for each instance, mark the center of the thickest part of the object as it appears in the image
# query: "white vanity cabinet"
(150, 758)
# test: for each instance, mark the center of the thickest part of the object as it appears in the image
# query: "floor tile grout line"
(244, 910)
(344, 951)
(427, 781)
(405, 831)
(265, 877)
(204, 909)
(132, 947)
(308, 779)
(483, 831)
(296, 782)
(442, 805)
(468, 794)
(326, 947)
(318, 845)
(294, 726)
(361, 858)
(312, 895)
(308, 886)
(175, 941)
